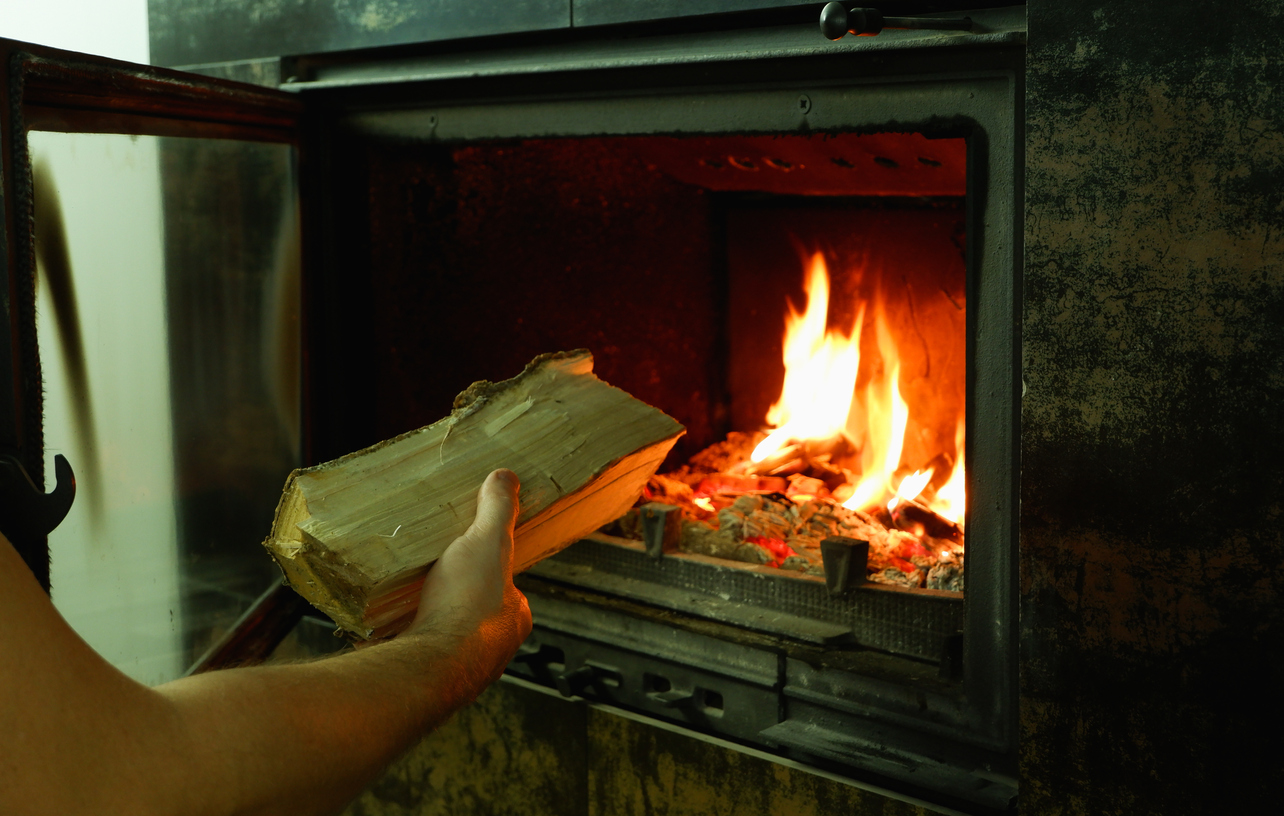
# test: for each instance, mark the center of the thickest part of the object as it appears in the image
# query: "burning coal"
(843, 453)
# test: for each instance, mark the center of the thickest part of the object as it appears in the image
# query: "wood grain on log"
(356, 536)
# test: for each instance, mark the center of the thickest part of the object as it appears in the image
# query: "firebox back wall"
(485, 255)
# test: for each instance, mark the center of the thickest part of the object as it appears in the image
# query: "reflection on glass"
(168, 302)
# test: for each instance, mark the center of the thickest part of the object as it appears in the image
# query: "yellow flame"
(886, 416)
(818, 401)
(910, 487)
(951, 498)
(820, 370)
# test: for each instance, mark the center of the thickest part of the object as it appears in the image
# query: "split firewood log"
(356, 536)
(924, 521)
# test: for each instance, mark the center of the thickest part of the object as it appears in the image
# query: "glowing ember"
(853, 450)
(779, 550)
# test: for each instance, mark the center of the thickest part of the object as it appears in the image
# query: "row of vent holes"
(883, 161)
(710, 701)
(785, 166)
(556, 664)
(749, 164)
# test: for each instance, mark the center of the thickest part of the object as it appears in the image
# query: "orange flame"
(911, 486)
(818, 401)
(886, 417)
(951, 498)
(820, 370)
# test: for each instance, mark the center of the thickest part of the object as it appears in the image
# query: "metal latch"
(26, 512)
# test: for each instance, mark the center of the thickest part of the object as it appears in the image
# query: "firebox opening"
(677, 261)
(847, 405)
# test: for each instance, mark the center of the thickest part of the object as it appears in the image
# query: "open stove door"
(48, 95)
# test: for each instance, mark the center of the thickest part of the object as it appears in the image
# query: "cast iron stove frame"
(947, 730)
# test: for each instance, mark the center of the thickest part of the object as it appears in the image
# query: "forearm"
(299, 738)
(79, 737)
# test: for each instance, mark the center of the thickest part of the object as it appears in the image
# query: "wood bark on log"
(356, 536)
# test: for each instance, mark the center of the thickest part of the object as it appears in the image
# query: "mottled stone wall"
(518, 752)
(1152, 471)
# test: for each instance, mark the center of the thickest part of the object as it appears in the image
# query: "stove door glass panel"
(168, 324)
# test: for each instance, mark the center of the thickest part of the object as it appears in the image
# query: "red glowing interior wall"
(483, 256)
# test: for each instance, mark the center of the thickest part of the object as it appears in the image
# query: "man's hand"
(469, 594)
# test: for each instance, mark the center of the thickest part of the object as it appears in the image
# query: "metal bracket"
(661, 528)
(571, 684)
(26, 512)
(844, 560)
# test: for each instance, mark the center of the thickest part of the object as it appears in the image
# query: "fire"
(911, 486)
(886, 416)
(820, 370)
(819, 402)
(951, 497)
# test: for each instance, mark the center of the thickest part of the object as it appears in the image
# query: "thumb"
(497, 507)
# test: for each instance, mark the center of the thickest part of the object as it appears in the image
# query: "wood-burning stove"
(467, 207)
(575, 200)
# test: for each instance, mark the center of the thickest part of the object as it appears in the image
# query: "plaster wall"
(1152, 475)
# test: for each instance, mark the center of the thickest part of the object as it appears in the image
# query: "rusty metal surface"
(639, 769)
(522, 751)
(184, 32)
(514, 752)
(1152, 452)
(59, 81)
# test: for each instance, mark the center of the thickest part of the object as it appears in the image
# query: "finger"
(497, 507)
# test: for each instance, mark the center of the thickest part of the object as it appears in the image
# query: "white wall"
(108, 28)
